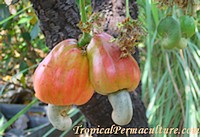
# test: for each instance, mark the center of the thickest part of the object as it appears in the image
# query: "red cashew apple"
(62, 79)
(108, 72)
(112, 75)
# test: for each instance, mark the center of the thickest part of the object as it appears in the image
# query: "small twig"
(175, 85)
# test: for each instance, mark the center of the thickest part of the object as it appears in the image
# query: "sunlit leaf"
(35, 31)
(25, 20)
(2, 122)
(6, 78)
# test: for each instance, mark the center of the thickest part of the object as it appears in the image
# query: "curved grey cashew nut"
(122, 107)
(58, 116)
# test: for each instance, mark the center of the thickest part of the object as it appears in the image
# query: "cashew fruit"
(187, 26)
(62, 78)
(112, 75)
(182, 43)
(170, 32)
(108, 72)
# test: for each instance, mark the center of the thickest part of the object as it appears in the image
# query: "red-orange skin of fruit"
(62, 78)
(108, 72)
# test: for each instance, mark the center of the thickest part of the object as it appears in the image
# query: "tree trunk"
(58, 21)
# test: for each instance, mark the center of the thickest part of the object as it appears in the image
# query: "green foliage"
(13, 119)
(22, 44)
(171, 79)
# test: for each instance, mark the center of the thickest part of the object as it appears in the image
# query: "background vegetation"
(170, 78)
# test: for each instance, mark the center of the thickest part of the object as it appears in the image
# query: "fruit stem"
(127, 9)
(85, 38)
(190, 8)
(82, 11)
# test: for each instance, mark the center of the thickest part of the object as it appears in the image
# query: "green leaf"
(4, 12)
(2, 122)
(23, 81)
(14, 118)
(26, 36)
(24, 20)
(11, 17)
(23, 65)
(14, 1)
(35, 31)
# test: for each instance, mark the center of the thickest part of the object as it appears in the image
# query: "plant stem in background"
(127, 9)
(175, 85)
(85, 38)
(82, 11)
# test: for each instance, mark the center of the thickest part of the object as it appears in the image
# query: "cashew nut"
(122, 107)
(58, 116)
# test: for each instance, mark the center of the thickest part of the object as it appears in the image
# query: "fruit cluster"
(175, 33)
(69, 75)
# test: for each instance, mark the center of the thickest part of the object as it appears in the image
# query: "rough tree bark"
(58, 21)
